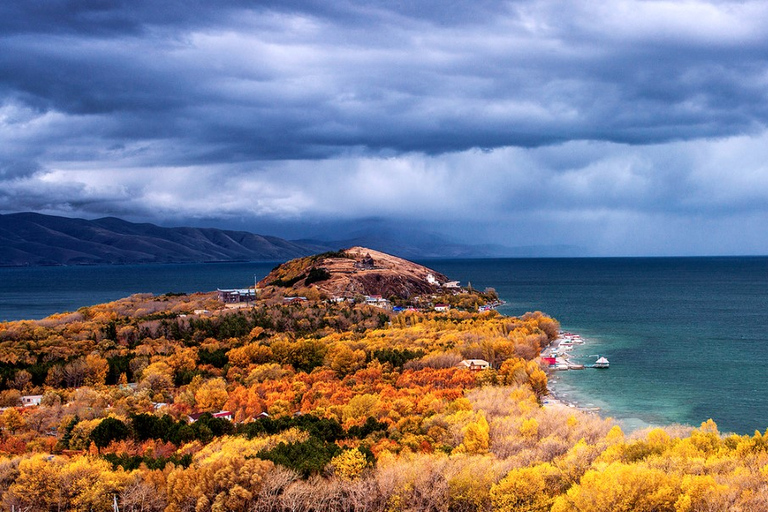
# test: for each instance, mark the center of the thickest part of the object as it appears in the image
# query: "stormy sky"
(618, 128)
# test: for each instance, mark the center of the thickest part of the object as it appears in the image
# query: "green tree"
(110, 429)
(308, 457)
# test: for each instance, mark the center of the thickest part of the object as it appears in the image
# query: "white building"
(30, 400)
(474, 364)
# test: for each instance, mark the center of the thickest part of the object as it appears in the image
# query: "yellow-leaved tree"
(702, 492)
(219, 481)
(79, 484)
(477, 436)
(619, 486)
(211, 395)
(349, 464)
(97, 369)
(525, 489)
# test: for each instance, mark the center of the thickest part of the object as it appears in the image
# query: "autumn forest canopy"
(179, 403)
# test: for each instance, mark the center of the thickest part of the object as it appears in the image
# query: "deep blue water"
(687, 337)
(36, 292)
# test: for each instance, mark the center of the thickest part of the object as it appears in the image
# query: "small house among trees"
(30, 400)
(474, 364)
(224, 415)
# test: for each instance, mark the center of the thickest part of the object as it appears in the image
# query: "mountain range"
(32, 239)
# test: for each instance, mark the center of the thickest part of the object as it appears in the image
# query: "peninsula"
(308, 395)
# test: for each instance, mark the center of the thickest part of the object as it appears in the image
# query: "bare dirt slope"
(357, 271)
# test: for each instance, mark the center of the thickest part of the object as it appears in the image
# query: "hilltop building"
(366, 263)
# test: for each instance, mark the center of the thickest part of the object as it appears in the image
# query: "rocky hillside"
(357, 271)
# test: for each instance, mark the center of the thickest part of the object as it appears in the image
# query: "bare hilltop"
(358, 271)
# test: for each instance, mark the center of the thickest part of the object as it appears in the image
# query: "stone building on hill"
(366, 263)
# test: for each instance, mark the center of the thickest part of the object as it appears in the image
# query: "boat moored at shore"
(601, 363)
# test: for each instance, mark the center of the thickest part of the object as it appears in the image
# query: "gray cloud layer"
(631, 127)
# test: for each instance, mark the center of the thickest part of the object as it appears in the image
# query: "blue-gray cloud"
(311, 82)
(578, 113)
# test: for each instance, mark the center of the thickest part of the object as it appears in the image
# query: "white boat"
(601, 363)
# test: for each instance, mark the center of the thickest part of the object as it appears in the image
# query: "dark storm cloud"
(311, 80)
(109, 18)
(17, 169)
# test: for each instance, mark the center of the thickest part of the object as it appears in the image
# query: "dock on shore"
(556, 354)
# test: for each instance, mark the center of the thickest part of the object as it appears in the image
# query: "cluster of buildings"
(380, 302)
(244, 296)
(431, 279)
(238, 295)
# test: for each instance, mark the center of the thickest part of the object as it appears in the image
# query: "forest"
(177, 403)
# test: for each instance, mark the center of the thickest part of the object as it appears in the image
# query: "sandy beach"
(559, 350)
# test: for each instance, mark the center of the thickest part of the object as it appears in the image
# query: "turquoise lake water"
(687, 337)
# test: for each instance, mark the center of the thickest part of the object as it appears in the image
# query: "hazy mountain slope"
(413, 243)
(34, 239)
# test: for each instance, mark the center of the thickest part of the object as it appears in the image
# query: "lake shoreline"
(566, 363)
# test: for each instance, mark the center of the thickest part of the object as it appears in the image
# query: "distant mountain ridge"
(34, 239)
